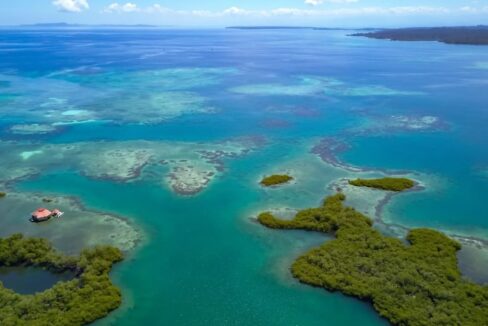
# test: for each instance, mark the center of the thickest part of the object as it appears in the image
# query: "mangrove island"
(276, 179)
(388, 183)
(418, 283)
(473, 35)
(80, 301)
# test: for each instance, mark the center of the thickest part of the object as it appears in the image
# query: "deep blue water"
(30, 280)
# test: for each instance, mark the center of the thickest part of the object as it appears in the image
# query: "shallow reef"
(415, 284)
(374, 124)
(190, 166)
(317, 85)
(68, 96)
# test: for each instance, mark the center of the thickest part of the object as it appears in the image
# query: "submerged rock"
(32, 129)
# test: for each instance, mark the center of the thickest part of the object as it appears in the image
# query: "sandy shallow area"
(78, 228)
(142, 97)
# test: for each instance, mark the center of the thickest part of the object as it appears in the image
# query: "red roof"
(42, 213)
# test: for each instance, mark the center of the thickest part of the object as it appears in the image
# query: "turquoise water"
(203, 259)
(206, 262)
(455, 204)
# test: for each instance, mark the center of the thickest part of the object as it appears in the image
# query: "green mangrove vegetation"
(88, 297)
(276, 179)
(474, 35)
(3, 194)
(415, 283)
(388, 183)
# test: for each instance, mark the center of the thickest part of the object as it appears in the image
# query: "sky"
(219, 13)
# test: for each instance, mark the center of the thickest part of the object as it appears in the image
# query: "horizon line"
(61, 25)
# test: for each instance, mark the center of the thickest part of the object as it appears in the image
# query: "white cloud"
(314, 2)
(319, 2)
(474, 10)
(126, 7)
(232, 11)
(235, 11)
(357, 11)
(294, 12)
(129, 7)
(71, 5)
(156, 8)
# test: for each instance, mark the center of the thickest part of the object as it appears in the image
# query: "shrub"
(392, 184)
(276, 179)
(88, 297)
(409, 284)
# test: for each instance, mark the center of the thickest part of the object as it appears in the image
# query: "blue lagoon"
(155, 141)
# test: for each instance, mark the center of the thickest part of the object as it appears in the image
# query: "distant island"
(300, 27)
(388, 183)
(80, 301)
(469, 35)
(414, 284)
(269, 27)
(276, 179)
